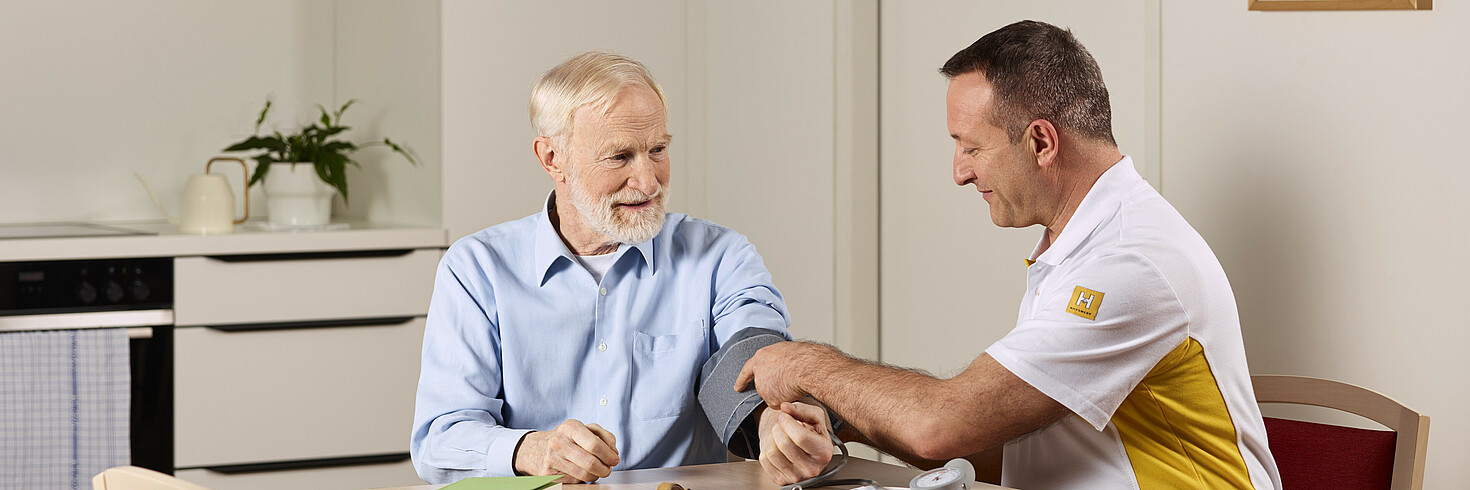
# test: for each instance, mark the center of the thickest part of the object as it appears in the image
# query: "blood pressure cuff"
(726, 408)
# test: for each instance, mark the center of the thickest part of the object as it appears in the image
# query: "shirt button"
(604, 291)
(602, 346)
(602, 402)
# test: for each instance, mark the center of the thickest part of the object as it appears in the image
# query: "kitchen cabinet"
(295, 356)
(298, 370)
(276, 395)
(266, 288)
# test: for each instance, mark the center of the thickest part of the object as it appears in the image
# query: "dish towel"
(64, 398)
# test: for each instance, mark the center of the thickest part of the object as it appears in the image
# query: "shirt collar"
(1101, 201)
(550, 249)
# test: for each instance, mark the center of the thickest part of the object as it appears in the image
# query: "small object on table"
(670, 486)
(954, 475)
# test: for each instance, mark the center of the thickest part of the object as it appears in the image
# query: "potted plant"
(301, 170)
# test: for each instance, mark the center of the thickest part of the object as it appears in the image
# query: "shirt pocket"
(666, 366)
(655, 344)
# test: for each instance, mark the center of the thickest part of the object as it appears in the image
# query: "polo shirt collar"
(1101, 201)
(550, 249)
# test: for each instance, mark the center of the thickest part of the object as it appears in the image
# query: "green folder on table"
(505, 483)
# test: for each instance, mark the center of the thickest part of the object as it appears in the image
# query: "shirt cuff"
(502, 451)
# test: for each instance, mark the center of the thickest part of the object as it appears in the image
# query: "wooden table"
(741, 475)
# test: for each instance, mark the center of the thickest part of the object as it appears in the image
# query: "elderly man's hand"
(775, 367)
(578, 452)
(794, 442)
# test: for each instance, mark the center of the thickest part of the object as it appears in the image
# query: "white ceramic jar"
(296, 197)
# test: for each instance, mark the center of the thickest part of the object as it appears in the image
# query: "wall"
(94, 91)
(769, 158)
(1318, 153)
(387, 57)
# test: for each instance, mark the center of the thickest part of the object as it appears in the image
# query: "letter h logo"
(1085, 303)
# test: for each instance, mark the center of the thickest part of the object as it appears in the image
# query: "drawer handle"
(349, 322)
(344, 254)
(307, 464)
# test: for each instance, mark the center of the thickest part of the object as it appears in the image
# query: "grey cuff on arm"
(727, 409)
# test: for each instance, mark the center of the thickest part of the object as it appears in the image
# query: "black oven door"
(152, 432)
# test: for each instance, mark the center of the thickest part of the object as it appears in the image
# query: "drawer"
(341, 477)
(263, 289)
(293, 394)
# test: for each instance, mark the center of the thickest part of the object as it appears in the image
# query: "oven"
(136, 294)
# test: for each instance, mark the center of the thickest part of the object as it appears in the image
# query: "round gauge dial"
(939, 479)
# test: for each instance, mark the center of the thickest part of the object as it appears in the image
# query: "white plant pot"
(296, 197)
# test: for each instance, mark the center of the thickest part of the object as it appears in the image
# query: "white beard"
(622, 226)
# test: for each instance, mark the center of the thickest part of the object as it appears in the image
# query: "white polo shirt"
(1128, 320)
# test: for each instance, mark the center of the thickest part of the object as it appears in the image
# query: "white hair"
(593, 77)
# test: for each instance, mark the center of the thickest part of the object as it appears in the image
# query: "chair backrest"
(1410, 439)
(135, 478)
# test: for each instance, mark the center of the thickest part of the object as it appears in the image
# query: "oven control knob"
(114, 292)
(140, 291)
(87, 293)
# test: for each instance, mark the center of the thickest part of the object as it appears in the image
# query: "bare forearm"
(884, 404)
(918, 417)
(850, 434)
(986, 463)
(904, 411)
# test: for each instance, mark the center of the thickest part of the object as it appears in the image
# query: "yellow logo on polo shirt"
(1084, 303)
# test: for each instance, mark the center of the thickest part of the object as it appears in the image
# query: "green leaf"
(314, 143)
(263, 112)
(262, 166)
(256, 143)
(401, 151)
(339, 147)
(344, 108)
(333, 131)
(332, 168)
(296, 149)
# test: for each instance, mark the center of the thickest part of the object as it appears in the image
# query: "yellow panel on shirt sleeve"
(1176, 428)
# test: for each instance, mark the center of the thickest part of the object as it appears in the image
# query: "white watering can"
(207, 206)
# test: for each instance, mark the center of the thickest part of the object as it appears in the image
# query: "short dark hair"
(1039, 71)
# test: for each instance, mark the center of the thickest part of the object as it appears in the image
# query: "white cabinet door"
(218, 291)
(293, 394)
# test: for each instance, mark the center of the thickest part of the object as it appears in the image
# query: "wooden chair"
(135, 478)
(1314, 455)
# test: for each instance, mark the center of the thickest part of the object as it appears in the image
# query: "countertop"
(249, 238)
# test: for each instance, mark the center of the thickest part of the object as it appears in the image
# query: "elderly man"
(569, 342)
(1126, 367)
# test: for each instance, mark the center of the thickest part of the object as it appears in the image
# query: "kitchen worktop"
(161, 239)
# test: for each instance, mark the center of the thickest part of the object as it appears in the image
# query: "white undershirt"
(597, 264)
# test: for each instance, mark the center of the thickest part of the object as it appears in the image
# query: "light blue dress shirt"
(520, 337)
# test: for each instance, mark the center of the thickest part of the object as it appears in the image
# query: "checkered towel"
(64, 398)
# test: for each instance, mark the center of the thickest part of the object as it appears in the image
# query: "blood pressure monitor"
(954, 475)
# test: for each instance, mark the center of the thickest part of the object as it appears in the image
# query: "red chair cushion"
(1311, 455)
